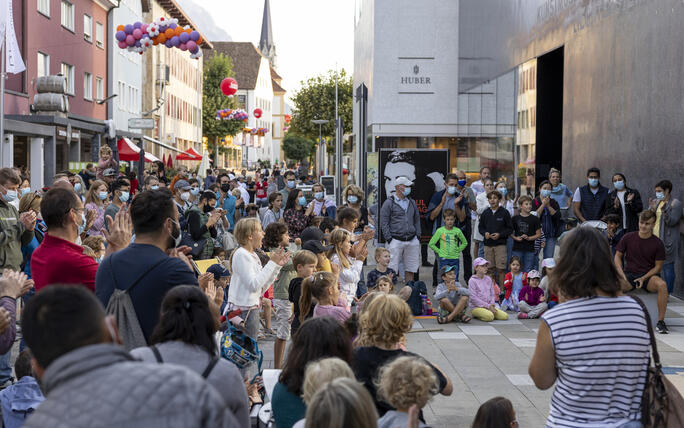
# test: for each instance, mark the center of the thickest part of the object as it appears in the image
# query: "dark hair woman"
(316, 338)
(496, 412)
(297, 215)
(185, 336)
(550, 217)
(595, 343)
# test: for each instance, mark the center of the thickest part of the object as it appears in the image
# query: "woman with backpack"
(185, 336)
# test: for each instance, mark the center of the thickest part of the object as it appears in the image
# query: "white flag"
(13, 60)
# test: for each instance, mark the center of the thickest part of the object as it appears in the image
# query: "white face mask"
(185, 196)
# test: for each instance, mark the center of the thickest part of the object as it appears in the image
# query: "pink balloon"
(137, 33)
(144, 28)
(191, 45)
(130, 40)
(183, 47)
(123, 44)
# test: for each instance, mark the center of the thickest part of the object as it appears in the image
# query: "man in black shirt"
(495, 226)
(526, 229)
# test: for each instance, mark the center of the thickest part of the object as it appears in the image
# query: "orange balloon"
(199, 40)
(120, 28)
(155, 41)
(161, 38)
(169, 33)
(189, 30)
(179, 30)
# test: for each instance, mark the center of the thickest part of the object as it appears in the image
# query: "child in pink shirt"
(481, 289)
(532, 302)
(323, 287)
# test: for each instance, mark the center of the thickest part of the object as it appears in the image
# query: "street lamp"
(320, 123)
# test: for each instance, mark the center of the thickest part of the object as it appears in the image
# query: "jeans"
(669, 276)
(549, 248)
(632, 424)
(528, 258)
(5, 367)
(480, 249)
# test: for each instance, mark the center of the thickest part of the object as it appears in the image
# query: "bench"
(651, 302)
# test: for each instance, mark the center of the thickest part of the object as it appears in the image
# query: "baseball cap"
(548, 263)
(446, 269)
(403, 180)
(311, 240)
(480, 262)
(231, 177)
(533, 274)
(182, 184)
(110, 172)
(218, 270)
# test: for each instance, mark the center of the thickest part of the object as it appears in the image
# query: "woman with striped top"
(594, 345)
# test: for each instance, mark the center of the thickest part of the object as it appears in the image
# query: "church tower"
(266, 44)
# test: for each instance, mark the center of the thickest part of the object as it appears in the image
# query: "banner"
(14, 62)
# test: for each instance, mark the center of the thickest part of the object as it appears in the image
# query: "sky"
(311, 36)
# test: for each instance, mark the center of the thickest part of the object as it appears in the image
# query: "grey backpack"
(121, 307)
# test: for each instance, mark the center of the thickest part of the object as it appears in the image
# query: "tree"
(217, 68)
(298, 148)
(316, 100)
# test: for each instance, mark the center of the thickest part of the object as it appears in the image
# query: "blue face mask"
(194, 191)
(102, 195)
(545, 193)
(124, 196)
(77, 187)
(10, 195)
(503, 191)
(593, 182)
(660, 196)
(352, 199)
(99, 259)
(556, 189)
(407, 191)
(26, 190)
(301, 200)
(319, 195)
(154, 187)
(619, 185)
(291, 184)
(452, 190)
(462, 182)
(81, 227)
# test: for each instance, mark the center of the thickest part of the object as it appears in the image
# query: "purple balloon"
(175, 41)
(122, 44)
(162, 28)
(194, 36)
(168, 43)
(120, 36)
(128, 29)
(184, 37)
(137, 24)
(137, 33)
(137, 43)
(173, 25)
(130, 40)
(183, 47)
(193, 50)
(191, 45)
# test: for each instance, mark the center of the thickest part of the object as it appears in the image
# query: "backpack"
(121, 307)
(415, 302)
(205, 374)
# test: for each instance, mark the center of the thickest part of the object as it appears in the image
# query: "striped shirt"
(602, 353)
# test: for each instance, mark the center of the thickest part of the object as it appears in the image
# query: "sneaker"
(523, 316)
(661, 327)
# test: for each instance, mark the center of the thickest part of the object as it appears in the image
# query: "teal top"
(287, 408)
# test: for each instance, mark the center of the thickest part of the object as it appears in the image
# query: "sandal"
(465, 319)
(442, 320)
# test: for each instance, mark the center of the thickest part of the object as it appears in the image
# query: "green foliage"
(217, 68)
(298, 148)
(316, 100)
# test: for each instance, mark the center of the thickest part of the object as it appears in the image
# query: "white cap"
(548, 263)
(231, 177)
(403, 180)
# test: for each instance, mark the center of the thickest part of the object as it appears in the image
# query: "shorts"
(633, 276)
(406, 251)
(496, 256)
(281, 326)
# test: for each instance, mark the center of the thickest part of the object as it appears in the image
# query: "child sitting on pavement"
(532, 302)
(382, 259)
(453, 299)
(482, 294)
(547, 267)
(515, 281)
(18, 401)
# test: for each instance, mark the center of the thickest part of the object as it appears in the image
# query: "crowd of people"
(134, 294)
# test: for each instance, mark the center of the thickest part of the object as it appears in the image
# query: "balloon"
(178, 30)
(138, 44)
(169, 33)
(137, 33)
(229, 86)
(156, 41)
(128, 29)
(130, 40)
(161, 38)
(168, 43)
(200, 40)
(173, 25)
(194, 36)
(120, 28)
(123, 44)
(183, 47)
(137, 25)
(175, 41)
(184, 37)
(191, 45)
(257, 113)
(144, 28)
(120, 36)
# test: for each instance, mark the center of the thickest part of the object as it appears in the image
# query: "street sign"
(141, 123)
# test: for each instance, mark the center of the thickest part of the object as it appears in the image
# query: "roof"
(266, 40)
(175, 11)
(277, 89)
(275, 75)
(246, 61)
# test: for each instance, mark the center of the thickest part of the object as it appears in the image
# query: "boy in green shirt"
(451, 242)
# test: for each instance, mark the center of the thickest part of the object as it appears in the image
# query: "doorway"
(549, 138)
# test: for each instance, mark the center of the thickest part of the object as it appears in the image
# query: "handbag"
(662, 406)
(196, 247)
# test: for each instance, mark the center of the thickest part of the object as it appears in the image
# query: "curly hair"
(320, 372)
(407, 381)
(273, 235)
(384, 321)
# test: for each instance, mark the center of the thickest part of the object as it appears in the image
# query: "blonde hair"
(105, 150)
(89, 252)
(320, 372)
(245, 228)
(354, 190)
(342, 403)
(91, 197)
(94, 242)
(379, 252)
(384, 321)
(30, 201)
(337, 238)
(407, 381)
(304, 257)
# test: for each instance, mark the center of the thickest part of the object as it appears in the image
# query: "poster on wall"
(427, 168)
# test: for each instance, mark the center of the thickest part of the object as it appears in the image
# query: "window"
(43, 64)
(67, 15)
(44, 7)
(88, 28)
(99, 35)
(122, 95)
(87, 86)
(68, 73)
(99, 88)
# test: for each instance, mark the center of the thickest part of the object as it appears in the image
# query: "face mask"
(545, 193)
(301, 200)
(660, 196)
(319, 195)
(185, 196)
(207, 209)
(452, 190)
(225, 187)
(176, 240)
(407, 191)
(619, 185)
(99, 259)
(461, 183)
(194, 191)
(154, 187)
(77, 187)
(593, 182)
(291, 184)
(124, 196)
(26, 190)
(10, 195)
(81, 227)
(556, 189)
(352, 199)
(503, 191)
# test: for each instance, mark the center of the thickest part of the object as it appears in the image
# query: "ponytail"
(305, 298)
(314, 286)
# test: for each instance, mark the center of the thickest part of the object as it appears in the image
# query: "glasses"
(514, 423)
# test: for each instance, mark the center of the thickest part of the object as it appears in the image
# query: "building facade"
(280, 110)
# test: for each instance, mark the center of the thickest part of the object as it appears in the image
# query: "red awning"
(131, 153)
(189, 154)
